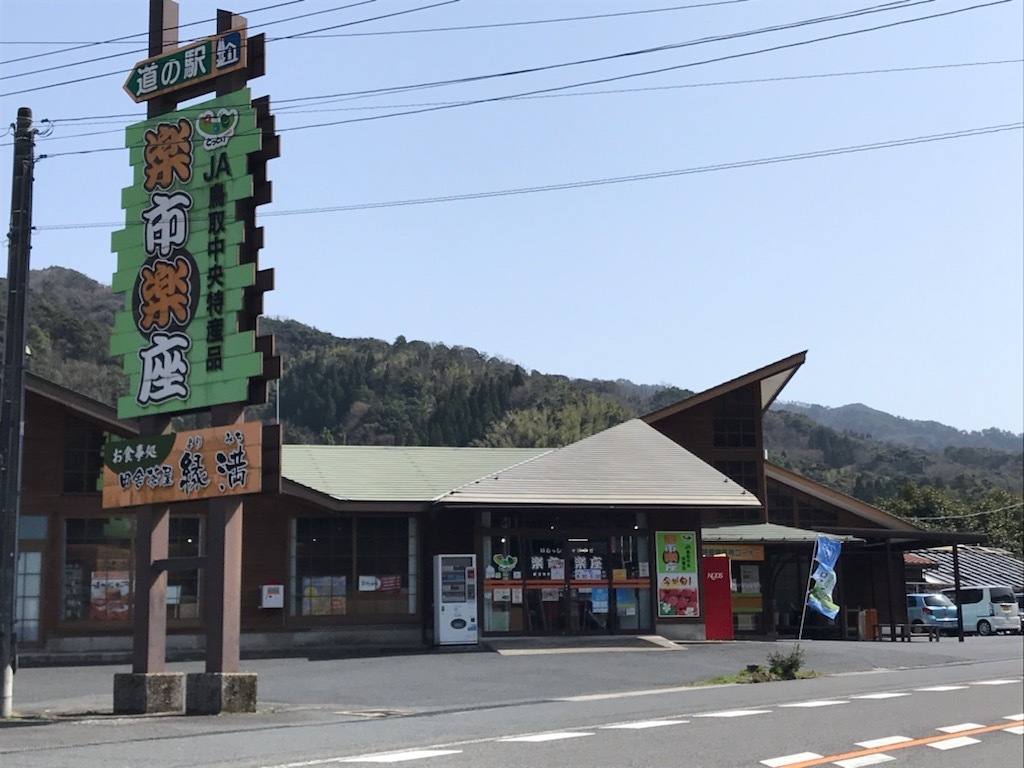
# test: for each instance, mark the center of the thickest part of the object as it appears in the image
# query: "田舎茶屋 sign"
(178, 261)
(198, 464)
(186, 65)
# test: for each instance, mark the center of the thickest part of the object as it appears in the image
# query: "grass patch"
(781, 666)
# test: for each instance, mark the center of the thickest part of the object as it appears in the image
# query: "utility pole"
(12, 394)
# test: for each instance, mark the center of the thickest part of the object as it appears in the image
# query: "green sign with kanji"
(178, 262)
(186, 65)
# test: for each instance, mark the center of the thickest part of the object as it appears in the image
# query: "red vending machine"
(717, 598)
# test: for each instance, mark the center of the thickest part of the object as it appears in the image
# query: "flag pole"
(807, 591)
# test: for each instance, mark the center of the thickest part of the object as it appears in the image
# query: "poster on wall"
(110, 595)
(676, 563)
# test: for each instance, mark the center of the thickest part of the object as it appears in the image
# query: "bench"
(905, 632)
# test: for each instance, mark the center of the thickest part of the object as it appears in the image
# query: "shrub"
(786, 665)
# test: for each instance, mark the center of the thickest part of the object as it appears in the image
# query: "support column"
(222, 687)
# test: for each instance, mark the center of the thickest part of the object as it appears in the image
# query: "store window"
(96, 575)
(183, 586)
(359, 567)
(83, 457)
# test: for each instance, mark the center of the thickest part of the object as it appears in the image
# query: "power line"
(610, 57)
(127, 38)
(591, 82)
(531, 22)
(720, 83)
(774, 160)
(967, 514)
(849, 14)
(137, 51)
(467, 27)
(616, 78)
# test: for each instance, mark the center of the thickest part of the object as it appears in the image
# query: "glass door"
(587, 592)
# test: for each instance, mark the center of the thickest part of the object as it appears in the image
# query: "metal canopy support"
(956, 587)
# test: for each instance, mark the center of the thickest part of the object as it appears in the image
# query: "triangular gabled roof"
(631, 464)
(837, 499)
(374, 473)
(83, 406)
(772, 379)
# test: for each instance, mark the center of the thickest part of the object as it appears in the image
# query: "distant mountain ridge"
(863, 421)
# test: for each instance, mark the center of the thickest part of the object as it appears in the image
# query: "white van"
(987, 609)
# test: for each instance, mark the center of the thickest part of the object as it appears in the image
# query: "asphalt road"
(532, 705)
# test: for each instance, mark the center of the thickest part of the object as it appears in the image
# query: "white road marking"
(1019, 716)
(400, 757)
(963, 741)
(647, 692)
(645, 724)
(858, 762)
(880, 696)
(888, 741)
(737, 713)
(778, 762)
(549, 736)
(960, 727)
(1018, 729)
(824, 703)
(943, 688)
(995, 682)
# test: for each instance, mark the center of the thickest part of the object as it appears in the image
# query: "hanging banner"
(678, 592)
(824, 577)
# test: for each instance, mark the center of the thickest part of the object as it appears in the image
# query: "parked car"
(1020, 609)
(931, 609)
(988, 609)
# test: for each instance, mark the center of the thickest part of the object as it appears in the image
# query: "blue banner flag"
(820, 596)
(828, 552)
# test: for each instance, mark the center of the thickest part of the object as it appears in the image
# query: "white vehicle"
(987, 609)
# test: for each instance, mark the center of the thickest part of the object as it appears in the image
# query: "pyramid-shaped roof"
(629, 464)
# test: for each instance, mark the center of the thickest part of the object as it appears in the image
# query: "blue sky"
(899, 269)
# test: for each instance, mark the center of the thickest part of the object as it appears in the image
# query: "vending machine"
(455, 600)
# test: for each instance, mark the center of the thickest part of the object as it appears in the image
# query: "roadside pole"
(12, 390)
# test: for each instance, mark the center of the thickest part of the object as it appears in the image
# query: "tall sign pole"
(187, 266)
(12, 394)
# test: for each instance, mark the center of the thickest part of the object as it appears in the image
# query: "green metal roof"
(387, 473)
(629, 464)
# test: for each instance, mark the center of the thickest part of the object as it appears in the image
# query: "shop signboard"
(717, 598)
(178, 260)
(187, 65)
(676, 571)
(198, 464)
(752, 552)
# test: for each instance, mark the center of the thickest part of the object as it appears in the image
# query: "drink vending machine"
(455, 600)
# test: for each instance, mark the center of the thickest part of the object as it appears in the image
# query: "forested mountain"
(931, 435)
(372, 392)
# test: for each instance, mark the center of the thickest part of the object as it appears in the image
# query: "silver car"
(931, 609)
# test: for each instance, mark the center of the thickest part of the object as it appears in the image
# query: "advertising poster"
(110, 595)
(678, 591)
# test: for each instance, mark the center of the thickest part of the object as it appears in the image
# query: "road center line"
(901, 745)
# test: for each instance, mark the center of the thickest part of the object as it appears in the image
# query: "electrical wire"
(968, 514)
(617, 91)
(774, 160)
(128, 38)
(816, 20)
(592, 82)
(107, 57)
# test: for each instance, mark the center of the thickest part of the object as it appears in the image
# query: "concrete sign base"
(146, 693)
(215, 693)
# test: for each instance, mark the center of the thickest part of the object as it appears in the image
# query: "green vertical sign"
(178, 260)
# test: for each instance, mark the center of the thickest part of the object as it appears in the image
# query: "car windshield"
(937, 600)
(1002, 595)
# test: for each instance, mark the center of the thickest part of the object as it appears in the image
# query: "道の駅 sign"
(189, 64)
(198, 464)
(178, 260)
